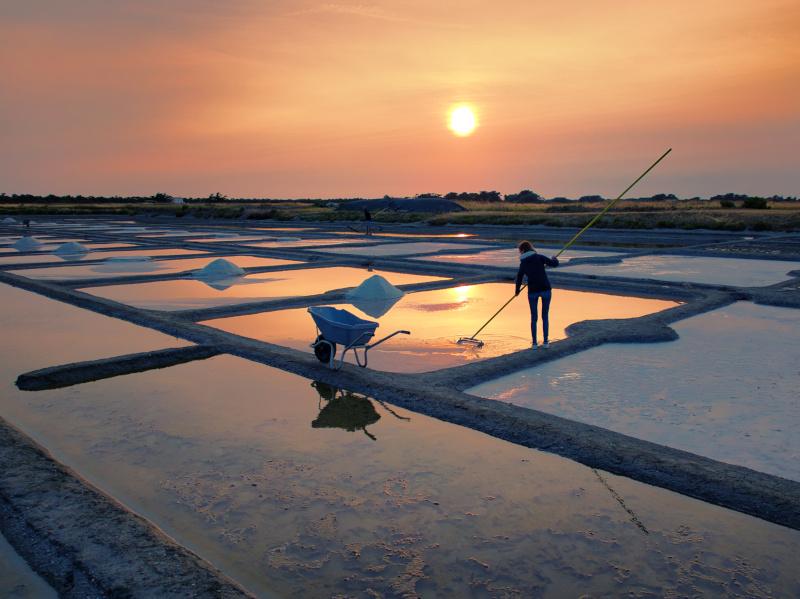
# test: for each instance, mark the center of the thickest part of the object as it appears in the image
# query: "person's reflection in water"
(345, 410)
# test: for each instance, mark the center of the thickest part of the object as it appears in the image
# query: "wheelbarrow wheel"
(324, 351)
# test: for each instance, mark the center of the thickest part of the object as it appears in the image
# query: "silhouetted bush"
(755, 203)
(526, 196)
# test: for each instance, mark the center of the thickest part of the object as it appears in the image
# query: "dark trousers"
(533, 301)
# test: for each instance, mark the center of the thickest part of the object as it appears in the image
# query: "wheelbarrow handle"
(371, 345)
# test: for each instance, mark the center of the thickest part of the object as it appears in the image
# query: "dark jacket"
(531, 265)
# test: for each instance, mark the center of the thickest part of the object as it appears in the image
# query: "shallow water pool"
(727, 389)
(291, 242)
(40, 332)
(233, 238)
(437, 318)
(96, 256)
(17, 579)
(402, 249)
(192, 294)
(738, 272)
(110, 269)
(294, 488)
(510, 257)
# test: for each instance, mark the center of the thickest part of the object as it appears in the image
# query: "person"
(531, 266)
(368, 220)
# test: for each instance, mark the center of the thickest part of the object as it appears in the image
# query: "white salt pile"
(219, 269)
(374, 288)
(26, 244)
(375, 296)
(9, 221)
(71, 248)
(376, 307)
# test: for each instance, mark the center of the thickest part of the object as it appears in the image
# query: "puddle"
(291, 242)
(403, 249)
(17, 580)
(437, 318)
(108, 269)
(739, 272)
(301, 490)
(510, 257)
(727, 389)
(191, 294)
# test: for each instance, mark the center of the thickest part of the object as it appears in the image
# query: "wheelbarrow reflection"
(346, 410)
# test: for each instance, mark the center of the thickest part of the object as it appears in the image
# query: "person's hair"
(525, 246)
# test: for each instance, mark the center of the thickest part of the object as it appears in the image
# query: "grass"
(777, 216)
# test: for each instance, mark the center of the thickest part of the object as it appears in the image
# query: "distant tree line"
(526, 196)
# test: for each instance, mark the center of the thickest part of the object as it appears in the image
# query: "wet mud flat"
(178, 447)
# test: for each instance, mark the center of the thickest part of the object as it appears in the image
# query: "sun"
(462, 120)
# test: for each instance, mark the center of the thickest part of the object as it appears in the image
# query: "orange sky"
(330, 99)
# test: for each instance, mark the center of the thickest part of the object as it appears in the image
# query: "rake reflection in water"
(347, 410)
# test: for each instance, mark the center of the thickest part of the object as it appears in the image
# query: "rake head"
(470, 341)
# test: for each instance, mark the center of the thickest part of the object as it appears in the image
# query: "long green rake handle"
(579, 233)
(611, 204)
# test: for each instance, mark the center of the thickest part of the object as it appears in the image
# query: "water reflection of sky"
(190, 294)
(437, 318)
(119, 266)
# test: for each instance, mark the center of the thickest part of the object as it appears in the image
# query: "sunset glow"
(311, 99)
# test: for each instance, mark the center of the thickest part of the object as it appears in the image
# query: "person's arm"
(551, 262)
(519, 280)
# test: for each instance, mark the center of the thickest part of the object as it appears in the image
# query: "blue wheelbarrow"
(336, 326)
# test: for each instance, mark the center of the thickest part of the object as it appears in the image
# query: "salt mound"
(219, 269)
(71, 248)
(26, 244)
(375, 307)
(374, 288)
(9, 221)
